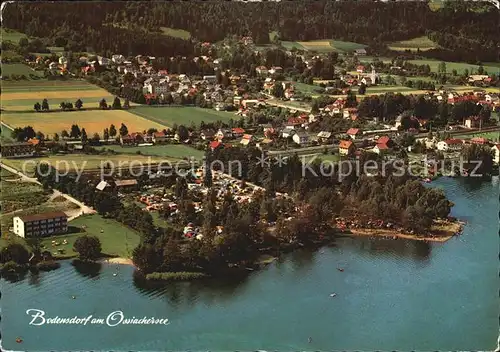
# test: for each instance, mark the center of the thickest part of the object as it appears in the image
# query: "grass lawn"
(21, 195)
(492, 136)
(329, 157)
(167, 150)
(5, 137)
(12, 35)
(459, 66)
(168, 116)
(306, 88)
(94, 121)
(423, 43)
(323, 45)
(178, 33)
(72, 162)
(19, 69)
(116, 239)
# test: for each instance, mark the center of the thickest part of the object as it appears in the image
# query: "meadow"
(20, 195)
(325, 45)
(94, 121)
(422, 43)
(12, 35)
(74, 162)
(22, 95)
(116, 238)
(177, 33)
(492, 136)
(19, 69)
(491, 67)
(168, 116)
(166, 150)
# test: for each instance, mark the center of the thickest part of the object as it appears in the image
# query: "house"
(53, 66)
(353, 132)
(125, 183)
(224, 133)
(237, 132)
(103, 61)
(118, 59)
(215, 144)
(237, 100)
(102, 185)
(360, 52)
(301, 138)
(40, 225)
(210, 78)
(261, 70)
(324, 136)
(496, 153)
(449, 145)
(159, 137)
(386, 140)
(276, 70)
(346, 148)
(63, 61)
(268, 129)
(265, 143)
(472, 122)
(348, 112)
(367, 81)
(380, 148)
(288, 131)
(17, 150)
(127, 140)
(246, 139)
(479, 140)
(207, 135)
(360, 69)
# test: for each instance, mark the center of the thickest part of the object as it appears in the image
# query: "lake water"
(393, 295)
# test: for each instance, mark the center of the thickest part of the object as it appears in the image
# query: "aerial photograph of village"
(250, 176)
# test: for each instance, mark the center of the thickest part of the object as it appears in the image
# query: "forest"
(135, 27)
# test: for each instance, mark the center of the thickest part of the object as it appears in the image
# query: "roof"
(120, 183)
(383, 140)
(102, 185)
(382, 146)
(345, 144)
(247, 136)
(238, 130)
(479, 140)
(353, 131)
(453, 141)
(215, 144)
(159, 134)
(43, 216)
(324, 134)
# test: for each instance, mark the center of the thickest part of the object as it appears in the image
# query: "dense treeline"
(135, 27)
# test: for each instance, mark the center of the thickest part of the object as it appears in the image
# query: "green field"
(21, 195)
(423, 43)
(116, 239)
(306, 88)
(85, 161)
(19, 69)
(178, 151)
(169, 116)
(324, 45)
(491, 67)
(12, 35)
(492, 136)
(177, 33)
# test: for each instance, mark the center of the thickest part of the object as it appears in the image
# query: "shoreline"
(118, 260)
(441, 231)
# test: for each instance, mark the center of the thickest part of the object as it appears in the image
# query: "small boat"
(19, 340)
(73, 297)
(340, 269)
(333, 294)
(114, 274)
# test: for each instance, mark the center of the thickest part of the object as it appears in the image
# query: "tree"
(15, 252)
(207, 176)
(95, 137)
(75, 131)
(45, 105)
(56, 137)
(37, 106)
(102, 104)
(64, 134)
(442, 67)
(183, 132)
(362, 89)
(23, 42)
(105, 134)
(117, 103)
(84, 135)
(277, 90)
(78, 104)
(88, 247)
(123, 130)
(126, 104)
(112, 130)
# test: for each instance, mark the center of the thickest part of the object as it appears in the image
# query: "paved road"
(83, 208)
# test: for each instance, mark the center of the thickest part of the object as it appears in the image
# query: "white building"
(40, 225)
(118, 59)
(496, 153)
(450, 145)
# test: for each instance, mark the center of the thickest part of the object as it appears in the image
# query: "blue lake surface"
(393, 295)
